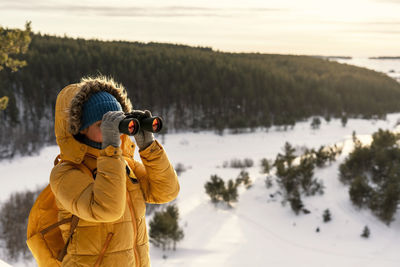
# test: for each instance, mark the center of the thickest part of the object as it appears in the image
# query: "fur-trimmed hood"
(88, 87)
(68, 115)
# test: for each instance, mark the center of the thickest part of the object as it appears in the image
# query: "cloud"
(383, 28)
(138, 11)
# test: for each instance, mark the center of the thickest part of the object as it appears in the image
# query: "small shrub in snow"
(268, 182)
(327, 216)
(236, 163)
(215, 188)
(316, 123)
(179, 168)
(248, 163)
(327, 118)
(244, 179)
(241, 164)
(366, 232)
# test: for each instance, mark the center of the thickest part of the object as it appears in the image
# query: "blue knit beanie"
(96, 106)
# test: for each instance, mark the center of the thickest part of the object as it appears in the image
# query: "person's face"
(93, 132)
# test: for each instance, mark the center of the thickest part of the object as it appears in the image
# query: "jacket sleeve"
(99, 200)
(157, 177)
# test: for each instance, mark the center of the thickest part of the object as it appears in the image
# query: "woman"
(109, 199)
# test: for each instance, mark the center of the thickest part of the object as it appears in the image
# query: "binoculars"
(133, 122)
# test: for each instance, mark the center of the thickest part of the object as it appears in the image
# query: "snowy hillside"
(3, 264)
(258, 230)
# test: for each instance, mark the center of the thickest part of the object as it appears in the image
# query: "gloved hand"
(143, 138)
(109, 128)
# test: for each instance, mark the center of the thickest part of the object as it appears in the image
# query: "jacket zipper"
(103, 250)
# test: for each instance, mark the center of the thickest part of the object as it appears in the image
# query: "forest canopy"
(192, 88)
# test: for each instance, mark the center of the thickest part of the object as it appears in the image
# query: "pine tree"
(373, 173)
(230, 194)
(295, 202)
(176, 234)
(158, 232)
(266, 166)
(164, 228)
(306, 172)
(384, 203)
(360, 191)
(13, 42)
(215, 188)
(289, 155)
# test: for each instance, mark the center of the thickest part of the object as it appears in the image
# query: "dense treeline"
(192, 88)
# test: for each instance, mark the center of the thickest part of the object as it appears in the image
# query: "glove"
(143, 138)
(109, 128)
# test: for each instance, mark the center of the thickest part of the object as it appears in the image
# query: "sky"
(358, 28)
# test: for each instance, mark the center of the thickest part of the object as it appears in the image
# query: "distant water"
(389, 66)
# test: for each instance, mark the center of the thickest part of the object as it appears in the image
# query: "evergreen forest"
(192, 88)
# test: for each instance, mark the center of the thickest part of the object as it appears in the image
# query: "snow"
(258, 230)
(4, 264)
(390, 67)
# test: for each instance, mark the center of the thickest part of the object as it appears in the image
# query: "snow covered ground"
(3, 264)
(257, 231)
(391, 67)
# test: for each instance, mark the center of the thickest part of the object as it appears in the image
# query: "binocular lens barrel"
(153, 124)
(131, 126)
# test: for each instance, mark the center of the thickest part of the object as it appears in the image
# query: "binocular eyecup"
(131, 124)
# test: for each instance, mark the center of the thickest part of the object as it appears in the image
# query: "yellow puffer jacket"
(111, 206)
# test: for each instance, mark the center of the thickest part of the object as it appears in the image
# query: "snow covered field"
(3, 264)
(257, 231)
(391, 67)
